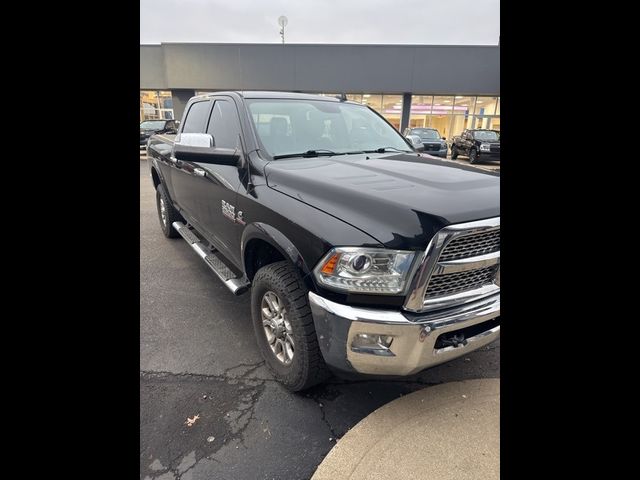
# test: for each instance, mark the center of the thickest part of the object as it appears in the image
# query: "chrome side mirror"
(194, 140)
(200, 147)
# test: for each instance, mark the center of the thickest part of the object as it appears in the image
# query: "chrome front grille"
(451, 283)
(461, 264)
(472, 245)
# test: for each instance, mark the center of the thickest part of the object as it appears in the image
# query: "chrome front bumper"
(414, 335)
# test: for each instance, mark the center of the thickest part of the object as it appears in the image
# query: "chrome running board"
(237, 285)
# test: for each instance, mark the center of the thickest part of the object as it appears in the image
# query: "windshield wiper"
(309, 153)
(384, 149)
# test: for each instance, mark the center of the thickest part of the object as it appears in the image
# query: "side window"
(196, 117)
(224, 125)
(170, 126)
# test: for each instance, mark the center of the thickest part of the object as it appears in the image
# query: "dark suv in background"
(432, 142)
(151, 127)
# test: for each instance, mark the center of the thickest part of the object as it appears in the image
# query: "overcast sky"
(447, 22)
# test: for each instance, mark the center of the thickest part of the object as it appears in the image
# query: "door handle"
(177, 163)
(199, 172)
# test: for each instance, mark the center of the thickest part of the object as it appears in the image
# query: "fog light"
(373, 344)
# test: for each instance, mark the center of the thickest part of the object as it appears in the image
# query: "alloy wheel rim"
(163, 212)
(277, 327)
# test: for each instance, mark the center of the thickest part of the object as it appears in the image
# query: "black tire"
(171, 214)
(473, 156)
(454, 152)
(307, 367)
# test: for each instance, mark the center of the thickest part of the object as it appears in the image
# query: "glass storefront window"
(421, 104)
(354, 97)
(442, 105)
(459, 124)
(486, 105)
(463, 105)
(487, 123)
(374, 101)
(442, 123)
(441, 114)
(451, 115)
(392, 109)
(155, 105)
(420, 110)
(462, 118)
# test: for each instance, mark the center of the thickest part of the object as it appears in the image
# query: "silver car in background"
(427, 140)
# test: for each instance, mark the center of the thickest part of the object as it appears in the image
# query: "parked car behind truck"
(360, 256)
(477, 144)
(152, 127)
(432, 142)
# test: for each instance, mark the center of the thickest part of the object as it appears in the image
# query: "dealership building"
(448, 87)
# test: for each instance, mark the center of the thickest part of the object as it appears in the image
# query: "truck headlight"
(364, 270)
(485, 147)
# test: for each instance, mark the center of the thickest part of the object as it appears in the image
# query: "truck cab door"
(182, 173)
(213, 186)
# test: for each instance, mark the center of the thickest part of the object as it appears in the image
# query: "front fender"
(153, 165)
(278, 240)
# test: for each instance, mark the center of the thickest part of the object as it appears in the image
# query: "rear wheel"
(166, 213)
(473, 156)
(284, 327)
(454, 152)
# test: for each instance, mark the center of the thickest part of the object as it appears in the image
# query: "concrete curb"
(449, 431)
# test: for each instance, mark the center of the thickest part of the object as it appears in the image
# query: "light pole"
(282, 21)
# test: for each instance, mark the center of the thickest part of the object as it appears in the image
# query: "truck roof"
(273, 94)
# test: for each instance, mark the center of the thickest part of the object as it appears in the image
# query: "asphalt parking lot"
(199, 361)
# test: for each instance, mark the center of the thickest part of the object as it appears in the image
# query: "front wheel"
(167, 213)
(473, 156)
(284, 327)
(454, 152)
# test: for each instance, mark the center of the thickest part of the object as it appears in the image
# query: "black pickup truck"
(477, 144)
(361, 255)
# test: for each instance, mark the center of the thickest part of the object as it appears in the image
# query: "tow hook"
(424, 333)
(454, 340)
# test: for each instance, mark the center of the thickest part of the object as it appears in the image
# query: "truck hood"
(399, 199)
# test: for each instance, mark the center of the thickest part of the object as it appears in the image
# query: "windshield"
(487, 135)
(152, 125)
(288, 127)
(426, 133)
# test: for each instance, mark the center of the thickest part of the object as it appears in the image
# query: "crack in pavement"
(221, 376)
(334, 435)
(226, 409)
